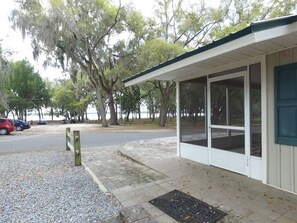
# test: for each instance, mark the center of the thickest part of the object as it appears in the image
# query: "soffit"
(245, 53)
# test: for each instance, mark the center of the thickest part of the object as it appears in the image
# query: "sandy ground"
(56, 128)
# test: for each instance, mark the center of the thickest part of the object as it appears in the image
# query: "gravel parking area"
(47, 187)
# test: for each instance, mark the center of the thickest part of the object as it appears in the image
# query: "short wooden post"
(67, 138)
(77, 152)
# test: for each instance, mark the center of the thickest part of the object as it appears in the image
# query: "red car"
(6, 126)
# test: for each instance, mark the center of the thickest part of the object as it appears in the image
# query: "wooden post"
(77, 152)
(67, 138)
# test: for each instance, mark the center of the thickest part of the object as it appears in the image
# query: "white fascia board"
(222, 49)
(275, 32)
(138, 80)
(227, 47)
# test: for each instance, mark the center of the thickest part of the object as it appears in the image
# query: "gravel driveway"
(46, 187)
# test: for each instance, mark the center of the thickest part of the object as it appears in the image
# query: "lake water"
(91, 116)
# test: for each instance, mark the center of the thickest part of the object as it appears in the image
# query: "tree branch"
(110, 28)
(198, 33)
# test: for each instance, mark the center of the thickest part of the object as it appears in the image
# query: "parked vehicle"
(6, 126)
(64, 121)
(73, 120)
(41, 122)
(20, 125)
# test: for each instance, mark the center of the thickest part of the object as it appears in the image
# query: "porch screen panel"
(227, 110)
(227, 102)
(228, 140)
(193, 111)
(255, 108)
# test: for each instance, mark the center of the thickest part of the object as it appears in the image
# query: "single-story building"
(237, 102)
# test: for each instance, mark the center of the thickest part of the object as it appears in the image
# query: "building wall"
(282, 159)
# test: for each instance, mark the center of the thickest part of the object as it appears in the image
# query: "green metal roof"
(252, 28)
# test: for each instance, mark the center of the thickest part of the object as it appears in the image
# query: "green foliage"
(156, 51)
(4, 76)
(26, 89)
(239, 14)
(84, 37)
(192, 98)
(130, 100)
(151, 53)
(72, 99)
(279, 8)
(63, 97)
(185, 23)
(152, 99)
(178, 27)
(107, 43)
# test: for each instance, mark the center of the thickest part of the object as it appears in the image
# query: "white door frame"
(245, 158)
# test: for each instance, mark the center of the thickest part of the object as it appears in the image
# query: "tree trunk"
(25, 119)
(113, 113)
(163, 113)
(148, 111)
(52, 114)
(42, 117)
(86, 115)
(98, 114)
(139, 111)
(101, 107)
(39, 114)
(164, 108)
(166, 90)
(153, 113)
(13, 115)
(127, 116)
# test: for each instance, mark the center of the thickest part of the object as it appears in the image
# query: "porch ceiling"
(256, 40)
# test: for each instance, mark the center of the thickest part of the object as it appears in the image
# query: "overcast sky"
(21, 48)
(13, 40)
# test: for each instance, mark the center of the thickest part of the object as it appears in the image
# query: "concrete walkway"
(140, 171)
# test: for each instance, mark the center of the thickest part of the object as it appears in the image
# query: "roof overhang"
(258, 39)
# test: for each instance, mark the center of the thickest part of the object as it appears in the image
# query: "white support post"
(178, 134)
(264, 115)
(247, 122)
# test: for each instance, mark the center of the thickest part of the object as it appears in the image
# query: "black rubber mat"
(185, 208)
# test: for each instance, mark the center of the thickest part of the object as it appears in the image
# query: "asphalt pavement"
(52, 137)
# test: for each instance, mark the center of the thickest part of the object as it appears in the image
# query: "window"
(286, 104)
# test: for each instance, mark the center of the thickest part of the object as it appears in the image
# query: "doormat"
(185, 208)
